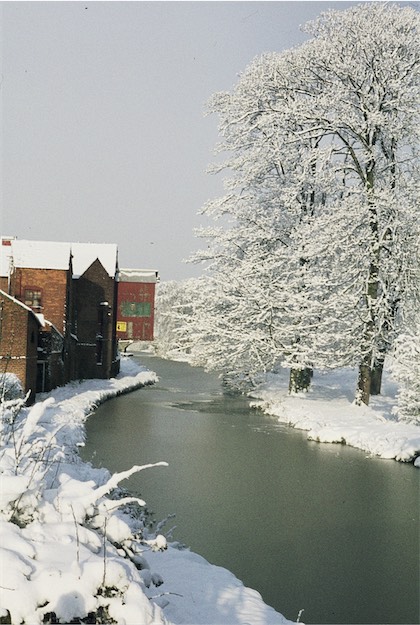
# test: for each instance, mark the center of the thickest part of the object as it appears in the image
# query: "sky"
(103, 133)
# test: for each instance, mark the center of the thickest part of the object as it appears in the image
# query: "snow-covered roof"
(56, 255)
(21, 304)
(40, 254)
(84, 254)
(138, 275)
(47, 324)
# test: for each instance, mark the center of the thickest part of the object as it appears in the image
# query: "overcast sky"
(103, 133)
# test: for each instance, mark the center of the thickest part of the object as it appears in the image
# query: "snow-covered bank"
(329, 415)
(71, 553)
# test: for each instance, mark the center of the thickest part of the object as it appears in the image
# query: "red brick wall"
(52, 283)
(18, 343)
(137, 328)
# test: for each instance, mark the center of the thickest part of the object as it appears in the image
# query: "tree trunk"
(372, 290)
(364, 385)
(300, 380)
(376, 376)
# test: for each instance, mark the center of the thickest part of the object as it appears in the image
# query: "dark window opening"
(33, 298)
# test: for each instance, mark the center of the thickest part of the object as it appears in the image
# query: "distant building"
(70, 290)
(63, 307)
(136, 304)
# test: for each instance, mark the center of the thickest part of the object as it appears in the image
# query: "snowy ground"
(329, 415)
(68, 551)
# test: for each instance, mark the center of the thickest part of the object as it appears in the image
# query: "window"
(136, 309)
(33, 298)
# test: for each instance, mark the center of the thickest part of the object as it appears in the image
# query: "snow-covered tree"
(405, 364)
(174, 310)
(364, 96)
(321, 198)
(257, 264)
(406, 370)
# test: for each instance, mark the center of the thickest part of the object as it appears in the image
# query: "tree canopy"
(313, 264)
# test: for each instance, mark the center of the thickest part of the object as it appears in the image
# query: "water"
(318, 527)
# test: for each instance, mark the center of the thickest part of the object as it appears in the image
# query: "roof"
(56, 255)
(21, 305)
(84, 254)
(40, 254)
(138, 275)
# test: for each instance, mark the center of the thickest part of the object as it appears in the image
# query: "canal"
(316, 527)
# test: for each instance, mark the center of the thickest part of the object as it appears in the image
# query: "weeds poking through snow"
(69, 549)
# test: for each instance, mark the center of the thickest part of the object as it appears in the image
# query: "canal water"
(316, 527)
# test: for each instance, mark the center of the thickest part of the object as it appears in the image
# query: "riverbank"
(329, 415)
(327, 412)
(72, 553)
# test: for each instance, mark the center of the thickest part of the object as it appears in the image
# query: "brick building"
(40, 277)
(136, 304)
(19, 332)
(95, 298)
(70, 289)
(65, 305)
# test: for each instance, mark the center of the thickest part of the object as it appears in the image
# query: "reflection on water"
(310, 526)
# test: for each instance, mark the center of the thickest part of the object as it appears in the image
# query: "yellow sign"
(121, 326)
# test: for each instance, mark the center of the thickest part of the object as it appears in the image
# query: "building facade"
(64, 307)
(70, 290)
(94, 325)
(19, 333)
(136, 304)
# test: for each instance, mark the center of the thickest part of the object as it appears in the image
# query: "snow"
(329, 415)
(40, 254)
(215, 595)
(21, 304)
(68, 550)
(56, 255)
(138, 275)
(84, 254)
(10, 386)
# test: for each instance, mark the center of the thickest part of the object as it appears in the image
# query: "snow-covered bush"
(10, 387)
(406, 370)
(72, 546)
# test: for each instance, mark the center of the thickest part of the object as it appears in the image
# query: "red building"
(63, 307)
(136, 304)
